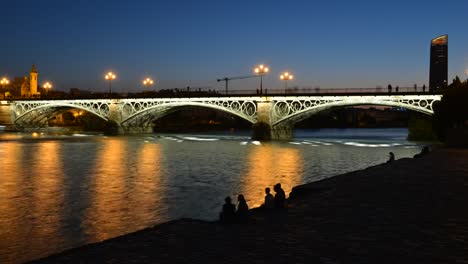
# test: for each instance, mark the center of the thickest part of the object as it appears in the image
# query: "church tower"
(33, 81)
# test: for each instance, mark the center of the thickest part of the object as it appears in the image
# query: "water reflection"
(12, 208)
(125, 191)
(147, 190)
(48, 196)
(106, 211)
(31, 204)
(269, 164)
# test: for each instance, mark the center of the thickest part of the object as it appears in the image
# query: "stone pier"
(263, 129)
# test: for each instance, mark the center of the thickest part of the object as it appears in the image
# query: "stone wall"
(5, 115)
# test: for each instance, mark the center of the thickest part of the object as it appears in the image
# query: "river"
(63, 191)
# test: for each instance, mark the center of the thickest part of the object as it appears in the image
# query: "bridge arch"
(143, 114)
(289, 111)
(37, 113)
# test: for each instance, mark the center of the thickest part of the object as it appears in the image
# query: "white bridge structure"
(281, 113)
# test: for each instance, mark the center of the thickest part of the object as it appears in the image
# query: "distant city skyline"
(336, 44)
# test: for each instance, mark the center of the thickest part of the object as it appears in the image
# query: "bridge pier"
(136, 130)
(263, 129)
(282, 132)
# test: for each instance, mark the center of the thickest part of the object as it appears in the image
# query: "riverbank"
(409, 211)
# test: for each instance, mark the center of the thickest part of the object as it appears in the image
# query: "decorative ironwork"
(299, 108)
(134, 111)
(142, 111)
(131, 113)
(97, 107)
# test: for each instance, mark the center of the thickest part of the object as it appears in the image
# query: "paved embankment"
(410, 211)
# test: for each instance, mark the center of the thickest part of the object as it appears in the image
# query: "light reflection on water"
(269, 164)
(61, 192)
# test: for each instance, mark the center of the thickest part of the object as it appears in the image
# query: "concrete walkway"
(410, 211)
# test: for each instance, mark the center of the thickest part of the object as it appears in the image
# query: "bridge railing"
(306, 91)
(325, 91)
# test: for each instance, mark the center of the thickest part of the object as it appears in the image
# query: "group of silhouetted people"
(389, 88)
(278, 201)
(230, 214)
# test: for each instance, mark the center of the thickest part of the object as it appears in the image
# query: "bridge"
(280, 111)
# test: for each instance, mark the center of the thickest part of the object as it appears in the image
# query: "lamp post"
(110, 76)
(47, 86)
(261, 70)
(148, 82)
(4, 81)
(286, 76)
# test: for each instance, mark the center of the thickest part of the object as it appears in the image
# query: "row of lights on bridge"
(260, 70)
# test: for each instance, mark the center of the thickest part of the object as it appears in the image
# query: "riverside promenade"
(409, 211)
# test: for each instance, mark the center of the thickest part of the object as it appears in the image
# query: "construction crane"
(227, 79)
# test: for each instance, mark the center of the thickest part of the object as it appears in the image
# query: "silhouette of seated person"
(269, 200)
(391, 157)
(424, 152)
(228, 215)
(280, 196)
(242, 209)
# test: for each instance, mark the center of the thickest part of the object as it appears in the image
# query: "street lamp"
(148, 82)
(261, 70)
(286, 76)
(110, 76)
(4, 82)
(47, 86)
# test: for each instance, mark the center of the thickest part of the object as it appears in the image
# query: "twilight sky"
(179, 43)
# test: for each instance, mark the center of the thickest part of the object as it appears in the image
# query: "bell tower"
(33, 81)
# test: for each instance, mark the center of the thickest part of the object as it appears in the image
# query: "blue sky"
(332, 43)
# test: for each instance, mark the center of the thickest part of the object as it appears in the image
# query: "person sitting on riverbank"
(280, 196)
(229, 212)
(269, 200)
(391, 157)
(424, 152)
(242, 209)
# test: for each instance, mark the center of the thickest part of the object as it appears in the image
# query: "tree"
(452, 110)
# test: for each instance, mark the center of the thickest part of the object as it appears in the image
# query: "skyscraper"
(438, 71)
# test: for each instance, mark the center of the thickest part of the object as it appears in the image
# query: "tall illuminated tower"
(438, 71)
(33, 81)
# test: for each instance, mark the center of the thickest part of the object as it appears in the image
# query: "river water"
(59, 192)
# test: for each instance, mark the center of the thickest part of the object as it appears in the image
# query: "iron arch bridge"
(280, 112)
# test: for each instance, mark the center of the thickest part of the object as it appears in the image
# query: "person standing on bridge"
(389, 88)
